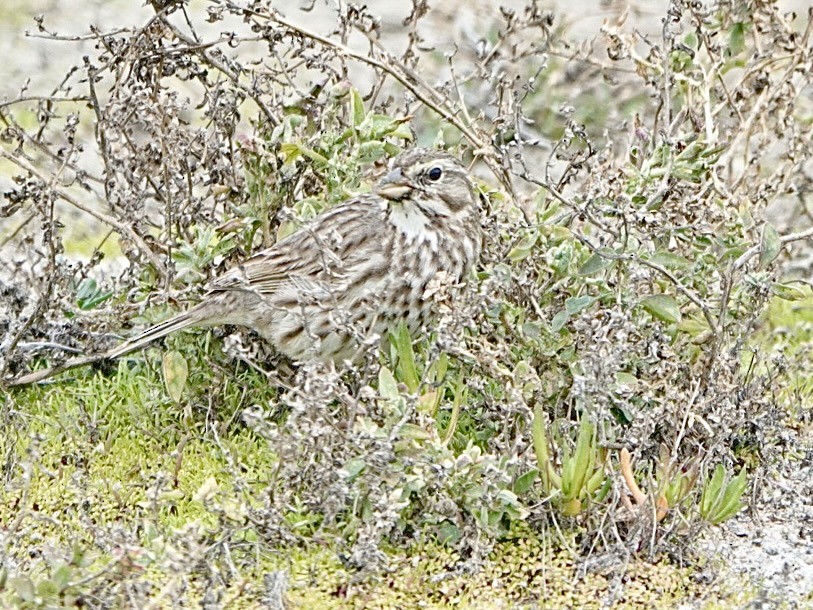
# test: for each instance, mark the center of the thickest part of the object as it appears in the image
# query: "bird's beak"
(394, 186)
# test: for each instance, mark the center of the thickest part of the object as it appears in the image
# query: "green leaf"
(415, 432)
(568, 467)
(732, 253)
(290, 152)
(627, 381)
(550, 479)
(378, 126)
(695, 325)
(448, 533)
(387, 386)
(370, 151)
(576, 304)
(313, 156)
(596, 263)
(406, 367)
(391, 149)
(523, 249)
(769, 246)
(88, 295)
(561, 260)
(525, 481)
(532, 330)
(711, 491)
(46, 590)
(85, 289)
(599, 479)
(357, 108)
(721, 499)
(353, 467)
(736, 38)
(669, 260)
(62, 576)
(662, 307)
(730, 503)
(583, 456)
(789, 292)
(176, 372)
(606, 486)
(559, 320)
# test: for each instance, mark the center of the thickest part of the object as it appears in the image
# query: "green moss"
(114, 454)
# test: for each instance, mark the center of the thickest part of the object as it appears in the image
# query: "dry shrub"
(628, 254)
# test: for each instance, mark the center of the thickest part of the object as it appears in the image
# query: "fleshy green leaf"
(730, 503)
(712, 491)
(406, 368)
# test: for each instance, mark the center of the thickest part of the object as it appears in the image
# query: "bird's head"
(431, 179)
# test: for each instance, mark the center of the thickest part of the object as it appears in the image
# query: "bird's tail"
(197, 316)
(183, 320)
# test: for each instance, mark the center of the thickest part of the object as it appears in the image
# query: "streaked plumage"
(359, 268)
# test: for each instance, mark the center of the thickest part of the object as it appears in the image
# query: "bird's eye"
(435, 173)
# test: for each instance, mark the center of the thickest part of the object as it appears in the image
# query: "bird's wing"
(267, 270)
(313, 254)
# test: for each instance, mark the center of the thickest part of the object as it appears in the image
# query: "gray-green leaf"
(595, 263)
(663, 307)
(769, 246)
(559, 321)
(577, 304)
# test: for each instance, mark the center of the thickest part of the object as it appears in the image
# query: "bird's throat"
(412, 223)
